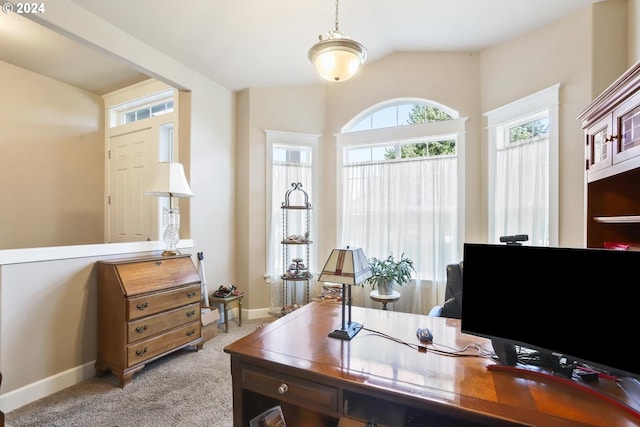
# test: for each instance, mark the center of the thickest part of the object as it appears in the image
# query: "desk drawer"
(291, 389)
(152, 325)
(147, 349)
(146, 305)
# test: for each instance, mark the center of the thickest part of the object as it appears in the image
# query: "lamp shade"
(337, 58)
(170, 181)
(348, 266)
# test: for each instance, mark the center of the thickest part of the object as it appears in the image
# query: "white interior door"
(132, 165)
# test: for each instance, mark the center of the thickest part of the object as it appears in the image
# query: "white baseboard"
(32, 392)
(258, 313)
(43, 388)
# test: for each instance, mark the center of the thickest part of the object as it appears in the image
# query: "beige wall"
(559, 53)
(226, 171)
(63, 349)
(51, 162)
(451, 79)
(291, 109)
(473, 84)
(633, 28)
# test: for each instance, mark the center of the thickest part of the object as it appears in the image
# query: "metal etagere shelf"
(296, 218)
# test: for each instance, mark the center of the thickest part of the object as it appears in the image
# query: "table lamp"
(348, 266)
(170, 182)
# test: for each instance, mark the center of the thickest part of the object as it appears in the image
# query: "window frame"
(291, 139)
(400, 135)
(510, 115)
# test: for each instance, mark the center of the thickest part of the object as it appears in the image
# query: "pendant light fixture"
(337, 57)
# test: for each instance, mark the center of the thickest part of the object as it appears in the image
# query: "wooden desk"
(321, 381)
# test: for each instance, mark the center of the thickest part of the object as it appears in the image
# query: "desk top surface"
(299, 341)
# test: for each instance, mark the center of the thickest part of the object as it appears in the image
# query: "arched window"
(402, 167)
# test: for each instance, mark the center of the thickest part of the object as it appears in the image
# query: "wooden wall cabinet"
(612, 140)
(147, 308)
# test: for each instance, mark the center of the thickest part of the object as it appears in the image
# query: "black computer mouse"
(424, 334)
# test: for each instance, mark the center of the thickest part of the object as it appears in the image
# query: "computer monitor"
(574, 303)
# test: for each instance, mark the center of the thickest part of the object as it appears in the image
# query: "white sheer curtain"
(521, 203)
(405, 207)
(283, 175)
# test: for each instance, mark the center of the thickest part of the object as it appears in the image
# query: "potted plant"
(389, 272)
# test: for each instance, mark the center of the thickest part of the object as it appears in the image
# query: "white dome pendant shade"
(337, 58)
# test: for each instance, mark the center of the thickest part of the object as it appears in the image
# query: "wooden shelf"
(624, 219)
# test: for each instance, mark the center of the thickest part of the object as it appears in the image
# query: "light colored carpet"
(186, 388)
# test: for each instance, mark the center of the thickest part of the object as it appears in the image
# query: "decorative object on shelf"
(170, 182)
(389, 272)
(226, 291)
(296, 214)
(297, 270)
(348, 266)
(337, 57)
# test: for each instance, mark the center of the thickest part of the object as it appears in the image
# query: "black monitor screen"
(576, 302)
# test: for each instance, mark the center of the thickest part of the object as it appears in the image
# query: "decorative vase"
(385, 287)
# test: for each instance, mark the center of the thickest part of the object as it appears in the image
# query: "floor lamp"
(348, 266)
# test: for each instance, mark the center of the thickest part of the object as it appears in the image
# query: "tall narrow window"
(400, 191)
(523, 169)
(291, 159)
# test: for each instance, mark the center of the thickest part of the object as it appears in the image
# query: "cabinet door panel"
(599, 145)
(627, 123)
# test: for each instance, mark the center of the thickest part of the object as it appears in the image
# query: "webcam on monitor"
(515, 239)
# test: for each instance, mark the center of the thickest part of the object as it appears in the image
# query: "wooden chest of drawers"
(147, 308)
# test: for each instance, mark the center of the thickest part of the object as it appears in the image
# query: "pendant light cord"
(337, 31)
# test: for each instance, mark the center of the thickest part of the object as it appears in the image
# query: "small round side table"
(384, 299)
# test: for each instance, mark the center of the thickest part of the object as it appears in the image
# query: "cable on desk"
(452, 352)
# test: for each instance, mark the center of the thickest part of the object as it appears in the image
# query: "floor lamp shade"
(348, 266)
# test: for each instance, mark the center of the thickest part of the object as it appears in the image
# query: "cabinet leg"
(125, 377)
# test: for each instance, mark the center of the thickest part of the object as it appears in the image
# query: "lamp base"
(170, 252)
(348, 332)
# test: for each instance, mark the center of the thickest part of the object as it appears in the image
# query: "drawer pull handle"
(141, 329)
(283, 388)
(191, 294)
(191, 332)
(141, 352)
(191, 313)
(142, 306)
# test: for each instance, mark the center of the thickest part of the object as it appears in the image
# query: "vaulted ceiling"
(254, 43)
